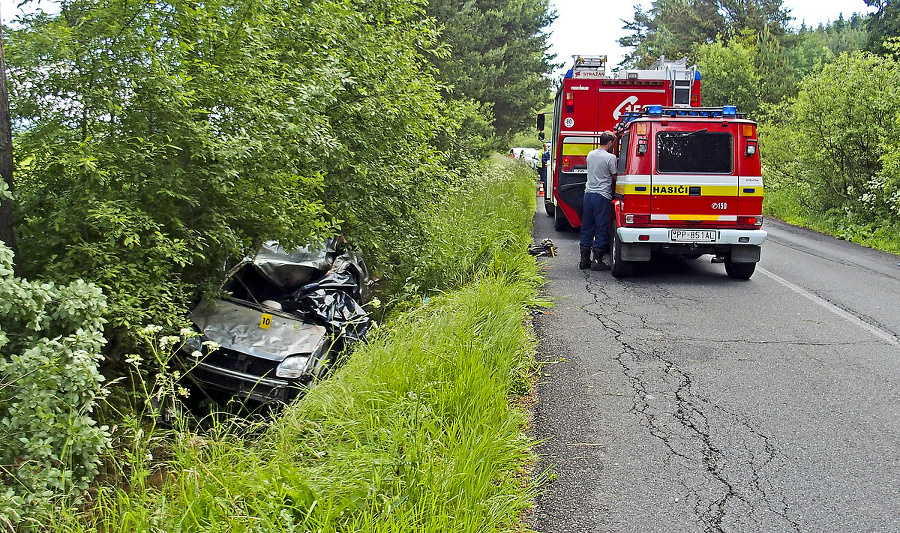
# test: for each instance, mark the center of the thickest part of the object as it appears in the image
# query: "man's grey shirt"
(601, 167)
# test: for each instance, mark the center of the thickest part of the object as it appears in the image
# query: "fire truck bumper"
(740, 246)
(697, 237)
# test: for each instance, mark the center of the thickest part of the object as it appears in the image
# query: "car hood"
(237, 327)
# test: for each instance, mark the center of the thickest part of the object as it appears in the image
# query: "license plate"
(692, 235)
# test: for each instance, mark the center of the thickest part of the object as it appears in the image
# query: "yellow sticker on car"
(266, 321)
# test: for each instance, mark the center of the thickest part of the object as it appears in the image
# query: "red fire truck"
(688, 183)
(590, 102)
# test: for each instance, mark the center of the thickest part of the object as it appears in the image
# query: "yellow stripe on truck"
(705, 190)
(576, 149)
(631, 188)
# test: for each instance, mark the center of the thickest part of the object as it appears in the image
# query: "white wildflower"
(211, 346)
(167, 342)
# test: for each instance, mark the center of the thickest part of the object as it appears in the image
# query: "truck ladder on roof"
(590, 62)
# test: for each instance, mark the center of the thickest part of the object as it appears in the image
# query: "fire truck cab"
(689, 183)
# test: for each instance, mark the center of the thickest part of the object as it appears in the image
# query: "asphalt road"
(683, 400)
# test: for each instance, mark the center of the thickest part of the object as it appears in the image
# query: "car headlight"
(292, 367)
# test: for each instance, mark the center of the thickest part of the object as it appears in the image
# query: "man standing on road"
(542, 170)
(602, 167)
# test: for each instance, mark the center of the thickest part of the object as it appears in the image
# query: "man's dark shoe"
(585, 262)
(598, 264)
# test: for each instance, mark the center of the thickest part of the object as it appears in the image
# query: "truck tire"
(559, 221)
(550, 209)
(619, 268)
(739, 270)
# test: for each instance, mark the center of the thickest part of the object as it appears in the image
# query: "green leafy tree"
(496, 57)
(675, 28)
(883, 24)
(844, 125)
(50, 442)
(729, 74)
(160, 140)
(671, 28)
(816, 47)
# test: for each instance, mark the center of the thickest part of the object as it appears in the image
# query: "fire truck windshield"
(697, 152)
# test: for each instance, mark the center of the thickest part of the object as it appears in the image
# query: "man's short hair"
(606, 137)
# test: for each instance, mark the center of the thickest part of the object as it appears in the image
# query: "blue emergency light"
(654, 110)
(729, 111)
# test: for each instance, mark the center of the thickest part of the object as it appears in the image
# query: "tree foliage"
(729, 74)
(157, 141)
(50, 341)
(843, 135)
(883, 24)
(497, 57)
(674, 28)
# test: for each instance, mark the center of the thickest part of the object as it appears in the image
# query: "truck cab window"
(698, 152)
(623, 152)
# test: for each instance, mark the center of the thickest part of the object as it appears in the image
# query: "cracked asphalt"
(683, 400)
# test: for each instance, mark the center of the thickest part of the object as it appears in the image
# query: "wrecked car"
(283, 317)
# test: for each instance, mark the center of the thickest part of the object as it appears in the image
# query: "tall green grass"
(415, 432)
(483, 229)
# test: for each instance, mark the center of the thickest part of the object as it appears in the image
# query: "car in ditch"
(281, 320)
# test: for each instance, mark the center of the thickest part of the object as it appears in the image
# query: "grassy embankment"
(418, 431)
(784, 204)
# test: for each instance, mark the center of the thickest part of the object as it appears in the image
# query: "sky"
(592, 27)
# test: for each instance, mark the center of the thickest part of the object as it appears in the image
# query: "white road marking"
(886, 336)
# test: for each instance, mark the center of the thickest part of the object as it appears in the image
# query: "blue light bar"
(569, 74)
(654, 110)
(729, 111)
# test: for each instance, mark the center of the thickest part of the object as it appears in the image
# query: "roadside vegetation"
(156, 144)
(417, 431)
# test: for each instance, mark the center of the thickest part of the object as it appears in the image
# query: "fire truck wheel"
(559, 221)
(619, 268)
(550, 209)
(739, 270)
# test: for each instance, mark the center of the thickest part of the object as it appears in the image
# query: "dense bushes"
(163, 140)
(414, 433)
(834, 150)
(50, 341)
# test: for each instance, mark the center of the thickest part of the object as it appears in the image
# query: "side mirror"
(540, 122)
(541, 136)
